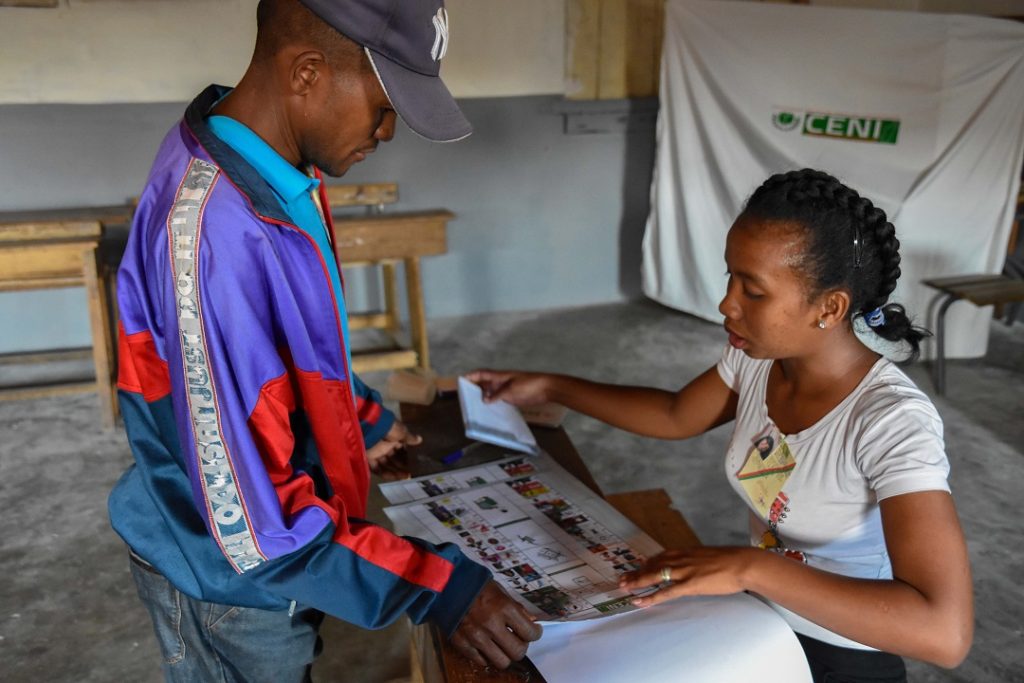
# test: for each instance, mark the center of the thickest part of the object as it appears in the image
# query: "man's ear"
(835, 304)
(306, 70)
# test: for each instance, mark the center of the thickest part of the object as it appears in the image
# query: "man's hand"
(387, 456)
(495, 630)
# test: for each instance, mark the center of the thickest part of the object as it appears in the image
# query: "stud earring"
(821, 323)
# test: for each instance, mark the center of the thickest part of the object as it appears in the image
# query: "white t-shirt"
(883, 440)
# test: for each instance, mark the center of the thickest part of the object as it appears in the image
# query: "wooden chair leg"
(415, 668)
(940, 345)
(390, 276)
(110, 291)
(417, 313)
(102, 344)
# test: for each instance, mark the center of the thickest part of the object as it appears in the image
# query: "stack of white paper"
(723, 639)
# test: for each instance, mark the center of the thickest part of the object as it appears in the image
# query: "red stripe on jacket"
(270, 425)
(368, 411)
(140, 369)
(396, 554)
(329, 407)
(333, 421)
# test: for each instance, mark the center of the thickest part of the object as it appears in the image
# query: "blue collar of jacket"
(246, 178)
(290, 184)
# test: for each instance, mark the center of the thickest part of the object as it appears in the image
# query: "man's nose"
(386, 130)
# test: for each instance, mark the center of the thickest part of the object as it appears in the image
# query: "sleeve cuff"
(465, 583)
(377, 431)
(911, 484)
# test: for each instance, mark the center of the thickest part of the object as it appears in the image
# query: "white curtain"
(921, 113)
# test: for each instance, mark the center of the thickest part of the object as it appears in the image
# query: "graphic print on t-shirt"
(766, 469)
(770, 539)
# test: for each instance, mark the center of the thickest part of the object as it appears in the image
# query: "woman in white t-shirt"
(836, 453)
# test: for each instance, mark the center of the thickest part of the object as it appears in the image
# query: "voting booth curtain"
(922, 113)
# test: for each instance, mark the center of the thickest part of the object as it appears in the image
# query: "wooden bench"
(61, 248)
(980, 290)
(385, 240)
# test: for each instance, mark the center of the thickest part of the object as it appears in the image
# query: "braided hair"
(849, 244)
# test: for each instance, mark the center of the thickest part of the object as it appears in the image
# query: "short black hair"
(849, 244)
(280, 23)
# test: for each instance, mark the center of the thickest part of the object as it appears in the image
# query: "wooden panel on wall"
(614, 48)
(615, 34)
(647, 22)
(582, 44)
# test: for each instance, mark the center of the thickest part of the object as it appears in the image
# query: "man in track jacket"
(253, 440)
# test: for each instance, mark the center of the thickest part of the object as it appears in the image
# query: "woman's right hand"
(518, 388)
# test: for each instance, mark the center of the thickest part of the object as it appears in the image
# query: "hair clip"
(875, 318)
(856, 247)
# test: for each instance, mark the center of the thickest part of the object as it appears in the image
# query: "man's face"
(348, 115)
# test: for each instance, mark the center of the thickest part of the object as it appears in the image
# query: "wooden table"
(387, 239)
(440, 424)
(62, 248)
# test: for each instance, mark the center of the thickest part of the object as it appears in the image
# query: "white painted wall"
(94, 51)
(122, 51)
(992, 7)
(97, 51)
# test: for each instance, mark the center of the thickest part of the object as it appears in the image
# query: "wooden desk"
(62, 248)
(440, 424)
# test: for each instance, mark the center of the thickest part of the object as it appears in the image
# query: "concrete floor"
(67, 606)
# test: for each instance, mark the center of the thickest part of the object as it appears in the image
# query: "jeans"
(208, 642)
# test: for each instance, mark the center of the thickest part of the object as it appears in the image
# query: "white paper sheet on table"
(722, 639)
(499, 423)
(555, 545)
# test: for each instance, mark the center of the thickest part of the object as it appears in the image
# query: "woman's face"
(766, 307)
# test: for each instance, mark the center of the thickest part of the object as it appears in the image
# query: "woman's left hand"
(693, 571)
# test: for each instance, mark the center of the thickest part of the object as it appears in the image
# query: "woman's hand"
(518, 388)
(693, 571)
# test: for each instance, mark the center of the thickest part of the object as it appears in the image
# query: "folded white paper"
(499, 423)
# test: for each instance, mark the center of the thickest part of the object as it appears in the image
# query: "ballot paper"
(430, 485)
(499, 423)
(715, 639)
(552, 543)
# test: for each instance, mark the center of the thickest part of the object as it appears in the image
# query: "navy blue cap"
(405, 41)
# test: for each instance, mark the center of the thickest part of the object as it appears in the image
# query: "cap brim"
(423, 102)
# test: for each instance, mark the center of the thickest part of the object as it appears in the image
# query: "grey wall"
(544, 219)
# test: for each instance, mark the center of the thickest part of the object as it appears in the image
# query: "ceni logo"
(840, 126)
